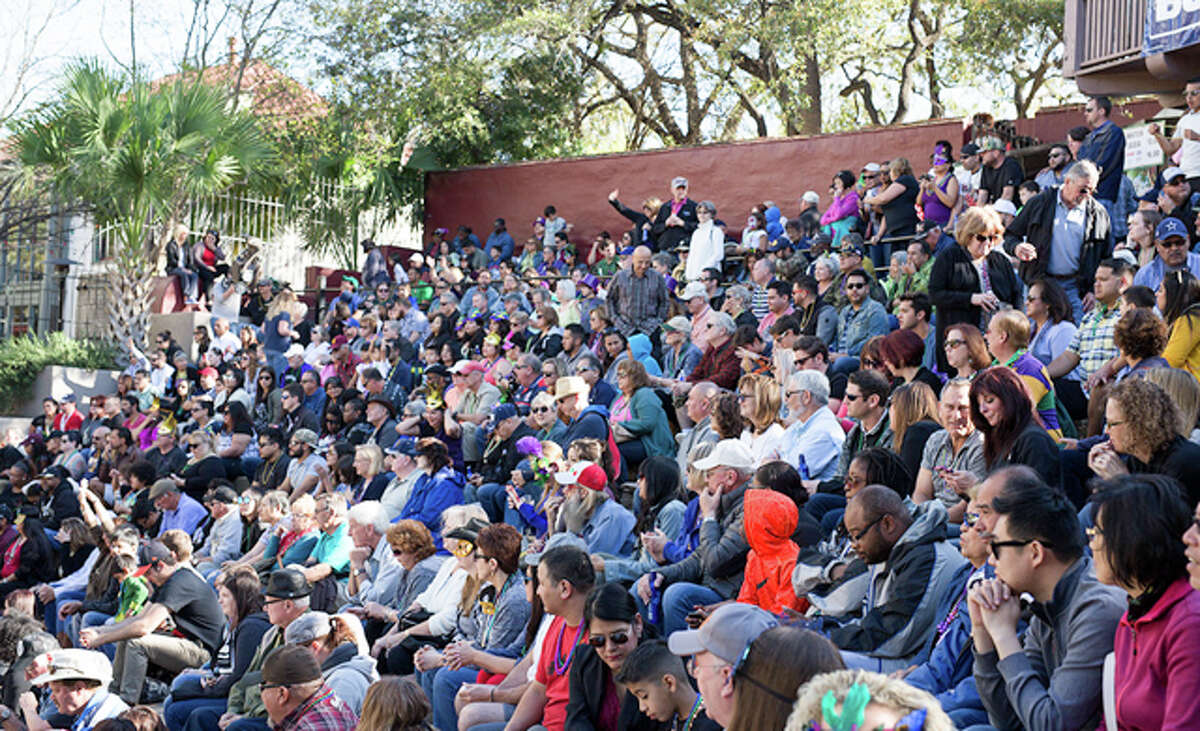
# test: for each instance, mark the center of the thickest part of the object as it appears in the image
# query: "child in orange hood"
(770, 520)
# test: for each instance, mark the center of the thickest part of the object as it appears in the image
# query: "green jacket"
(244, 696)
(648, 422)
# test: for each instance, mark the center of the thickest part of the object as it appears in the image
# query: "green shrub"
(23, 358)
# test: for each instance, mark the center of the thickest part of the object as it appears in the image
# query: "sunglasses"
(541, 410)
(970, 519)
(871, 363)
(852, 397)
(617, 638)
(856, 286)
(464, 549)
(1173, 243)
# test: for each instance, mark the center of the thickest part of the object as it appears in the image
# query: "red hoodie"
(770, 520)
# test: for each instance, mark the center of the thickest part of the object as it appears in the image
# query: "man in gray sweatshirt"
(1052, 678)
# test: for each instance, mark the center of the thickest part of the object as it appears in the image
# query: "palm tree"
(135, 156)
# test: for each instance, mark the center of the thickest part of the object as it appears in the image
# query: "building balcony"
(1127, 47)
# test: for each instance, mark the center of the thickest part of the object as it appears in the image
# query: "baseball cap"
(339, 341)
(295, 351)
(151, 552)
(305, 436)
(679, 181)
(1004, 205)
(726, 633)
(727, 453)
(209, 371)
(694, 289)
(678, 323)
(969, 149)
(1168, 227)
(464, 367)
(585, 473)
(851, 242)
(403, 445)
(811, 196)
(56, 471)
(871, 167)
(69, 398)
(992, 143)
(162, 487)
(1173, 172)
(308, 627)
(437, 369)
(351, 322)
(75, 664)
(500, 412)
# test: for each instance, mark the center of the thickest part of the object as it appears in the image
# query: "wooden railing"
(1106, 32)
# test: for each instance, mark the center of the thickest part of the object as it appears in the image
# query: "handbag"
(621, 433)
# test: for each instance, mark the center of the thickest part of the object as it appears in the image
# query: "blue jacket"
(504, 240)
(610, 529)
(689, 534)
(639, 345)
(855, 328)
(774, 227)
(947, 673)
(592, 423)
(431, 495)
(1105, 146)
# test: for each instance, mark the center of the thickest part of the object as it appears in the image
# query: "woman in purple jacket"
(1136, 546)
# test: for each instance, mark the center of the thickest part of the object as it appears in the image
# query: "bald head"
(641, 260)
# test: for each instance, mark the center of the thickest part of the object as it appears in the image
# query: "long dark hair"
(261, 394)
(662, 486)
(1183, 295)
(247, 593)
(239, 416)
(1004, 384)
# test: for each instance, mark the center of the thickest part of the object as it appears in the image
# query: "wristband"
(492, 695)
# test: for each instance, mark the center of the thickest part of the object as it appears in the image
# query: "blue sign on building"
(1171, 24)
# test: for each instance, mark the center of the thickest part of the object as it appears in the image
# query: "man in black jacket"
(500, 460)
(295, 414)
(59, 500)
(1063, 233)
(676, 219)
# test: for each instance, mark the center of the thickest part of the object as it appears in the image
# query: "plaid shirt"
(1093, 343)
(639, 304)
(323, 711)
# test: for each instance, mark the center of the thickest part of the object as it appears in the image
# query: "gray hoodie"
(905, 592)
(349, 675)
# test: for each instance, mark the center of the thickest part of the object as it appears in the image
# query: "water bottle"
(653, 608)
(802, 466)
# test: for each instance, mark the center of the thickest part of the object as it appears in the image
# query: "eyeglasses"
(852, 481)
(871, 363)
(267, 686)
(619, 637)
(856, 538)
(1173, 243)
(274, 601)
(479, 556)
(693, 666)
(997, 545)
(795, 392)
(1192, 92)
(954, 343)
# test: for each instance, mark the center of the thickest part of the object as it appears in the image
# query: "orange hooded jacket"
(770, 519)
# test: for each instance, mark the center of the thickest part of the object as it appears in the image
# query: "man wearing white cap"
(695, 298)
(713, 572)
(676, 219)
(79, 686)
(716, 649)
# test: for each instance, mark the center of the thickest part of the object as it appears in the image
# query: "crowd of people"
(923, 457)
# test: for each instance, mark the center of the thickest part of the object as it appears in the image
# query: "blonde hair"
(977, 220)
(910, 403)
(285, 301)
(305, 504)
(1184, 391)
(207, 438)
(885, 691)
(375, 454)
(766, 400)
(1015, 324)
(178, 543)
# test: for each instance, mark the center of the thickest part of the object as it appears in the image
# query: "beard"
(575, 514)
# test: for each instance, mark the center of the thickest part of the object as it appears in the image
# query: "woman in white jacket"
(707, 248)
